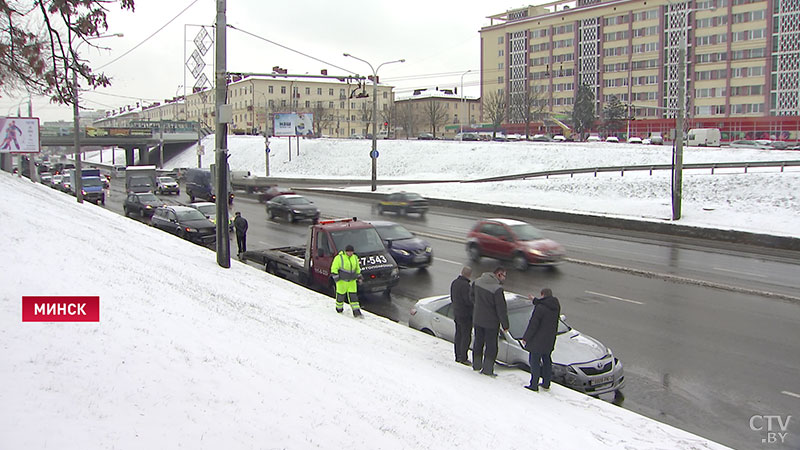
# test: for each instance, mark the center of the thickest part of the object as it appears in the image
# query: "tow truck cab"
(329, 237)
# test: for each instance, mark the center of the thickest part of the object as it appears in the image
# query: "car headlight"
(149, 207)
(536, 252)
(296, 211)
(191, 230)
(395, 272)
(403, 252)
(428, 249)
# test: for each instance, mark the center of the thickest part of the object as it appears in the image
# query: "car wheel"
(427, 331)
(191, 198)
(474, 252)
(380, 209)
(125, 210)
(520, 262)
(402, 211)
(289, 217)
(270, 213)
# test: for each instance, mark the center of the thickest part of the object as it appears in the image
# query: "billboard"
(19, 135)
(293, 124)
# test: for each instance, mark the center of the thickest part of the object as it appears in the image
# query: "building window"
(283, 89)
(500, 39)
(319, 91)
(500, 52)
(330, 91)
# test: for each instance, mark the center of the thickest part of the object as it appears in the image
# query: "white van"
(703, 137)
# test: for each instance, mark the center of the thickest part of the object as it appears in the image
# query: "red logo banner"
(60, 309)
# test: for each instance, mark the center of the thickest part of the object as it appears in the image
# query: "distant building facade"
(441, 112)
(340, 108)
(741, 57)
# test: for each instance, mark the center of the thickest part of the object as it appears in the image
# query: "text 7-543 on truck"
(310, 265)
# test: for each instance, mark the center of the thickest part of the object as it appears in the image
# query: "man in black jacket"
(489, 314)
(540, 338)
(463, 304)
(240, 224)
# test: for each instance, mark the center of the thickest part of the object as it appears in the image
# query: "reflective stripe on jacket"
(345, 271)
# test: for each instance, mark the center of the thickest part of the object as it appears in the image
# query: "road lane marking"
(790, 394)
(740, 273)
(615, 298)
(685, 280)
(448, 261)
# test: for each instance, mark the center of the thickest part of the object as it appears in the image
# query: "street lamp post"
(374, 153)
(76, 117)
(461, 120)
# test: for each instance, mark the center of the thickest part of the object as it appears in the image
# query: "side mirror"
(563, 317)
(389, 244)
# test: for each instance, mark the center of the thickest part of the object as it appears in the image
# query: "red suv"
(513, 240)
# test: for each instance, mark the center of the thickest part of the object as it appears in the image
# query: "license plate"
(601, 380)
(420, 258)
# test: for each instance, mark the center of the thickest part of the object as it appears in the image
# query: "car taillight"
(83, 192)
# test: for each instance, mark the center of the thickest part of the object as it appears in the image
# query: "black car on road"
(292, 208)
(403, 203)
(142, 203)
(185, 222)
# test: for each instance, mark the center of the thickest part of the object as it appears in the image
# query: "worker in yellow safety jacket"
(346, 272)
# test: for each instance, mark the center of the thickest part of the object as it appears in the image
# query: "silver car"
(580, 362)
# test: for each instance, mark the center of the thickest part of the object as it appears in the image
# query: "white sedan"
(580, 362)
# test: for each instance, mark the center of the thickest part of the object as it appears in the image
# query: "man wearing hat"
(240, 224)
(346, 272)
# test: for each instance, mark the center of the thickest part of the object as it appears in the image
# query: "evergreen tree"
(583, 113)
(614, 115)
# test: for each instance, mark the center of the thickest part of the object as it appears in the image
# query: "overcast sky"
(439, 40)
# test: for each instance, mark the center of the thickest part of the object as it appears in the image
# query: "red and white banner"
(60, 309)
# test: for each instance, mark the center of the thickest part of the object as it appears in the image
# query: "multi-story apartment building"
(340, 108)
(742, 61)
(441, 112)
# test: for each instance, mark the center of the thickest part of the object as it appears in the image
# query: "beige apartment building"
(441, 112)
(340, 108)
(742, 60)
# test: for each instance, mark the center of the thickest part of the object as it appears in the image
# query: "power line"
(147, 38)
(290, 49)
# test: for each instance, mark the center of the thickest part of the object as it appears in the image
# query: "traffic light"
(385, 124)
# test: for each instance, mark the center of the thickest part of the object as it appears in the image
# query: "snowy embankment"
(761, 201)
(187, 354)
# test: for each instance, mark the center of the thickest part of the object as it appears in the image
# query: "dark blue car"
(409, 251)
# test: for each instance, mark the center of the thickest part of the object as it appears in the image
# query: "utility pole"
(223, 242)
(77, 128)
(374, 153)
(677, 175)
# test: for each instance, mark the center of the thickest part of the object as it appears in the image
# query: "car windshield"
(166, 180)
(92, 182)
(411, 196)
(526, 232)
(519, 314)
(364, 240)
(393, 232)
(190, 214)
(297, 201)
(144, 198)
(207, 209)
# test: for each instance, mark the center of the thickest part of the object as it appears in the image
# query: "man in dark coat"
(490, 313)
(540, 338)
(240, 224)
(463, 304)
